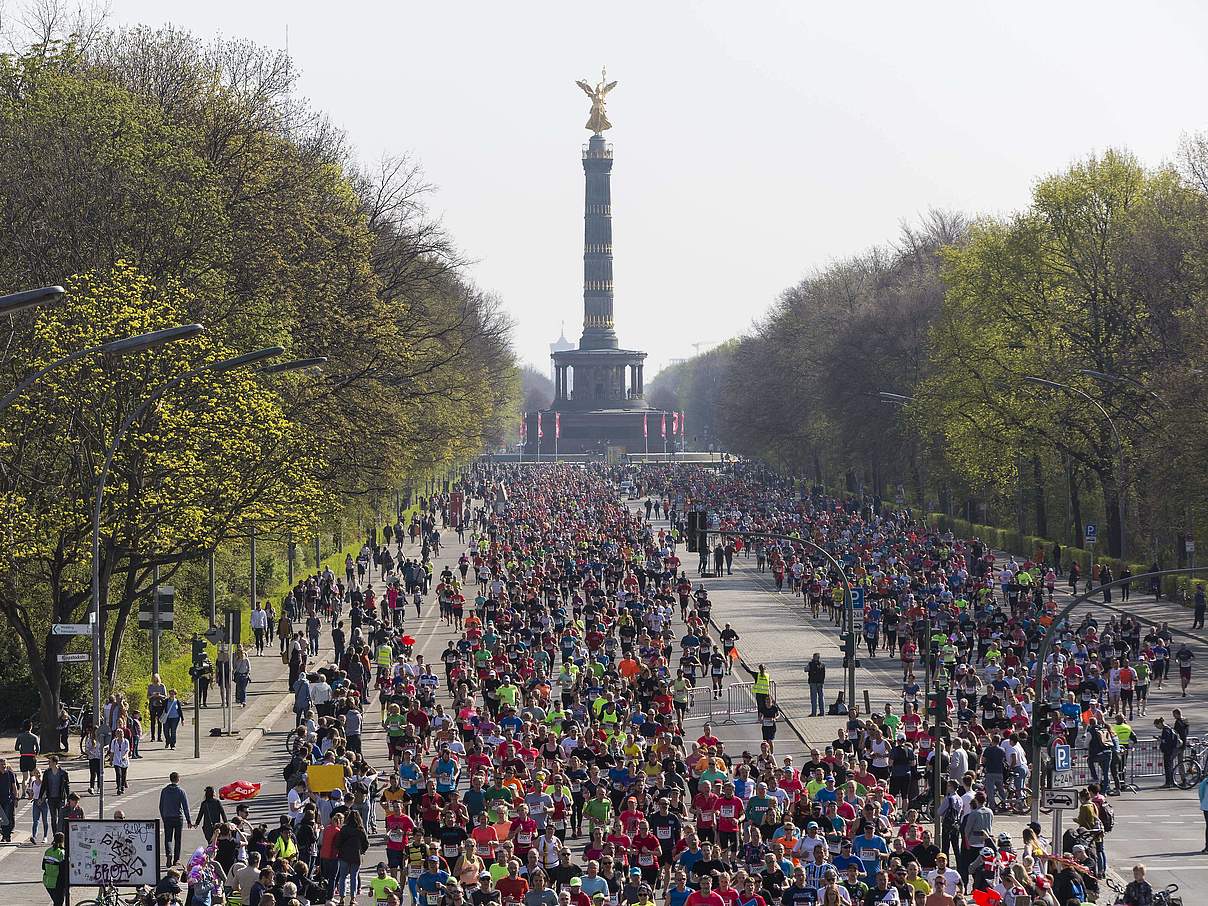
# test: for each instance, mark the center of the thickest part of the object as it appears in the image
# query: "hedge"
(1019, 544)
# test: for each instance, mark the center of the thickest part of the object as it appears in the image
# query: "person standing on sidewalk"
(174, 813)
(157, 694)
(119, 756)
(1201, 604)
(241, 668)
(56, 787)
(8, 801)
(259, 621)
(172, 716)
(815, 672)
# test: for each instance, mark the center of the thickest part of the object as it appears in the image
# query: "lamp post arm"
(850, 648)
(32, 379)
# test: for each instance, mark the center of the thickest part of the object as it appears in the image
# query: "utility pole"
(213, 590)
(155, 619)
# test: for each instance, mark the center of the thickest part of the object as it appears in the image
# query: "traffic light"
(201, 659)
(696, 526)
(937, 706)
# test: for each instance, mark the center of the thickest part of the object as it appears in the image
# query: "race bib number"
(576, 786)
(663, 833)
(727, 811)
(524, 838)
(706, 817)
(646, 858)
(451, 850)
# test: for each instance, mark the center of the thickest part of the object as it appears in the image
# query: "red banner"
(645, 428)
(524, 428)
(674, 424)
(540, 430)
(557, 425)
(664, 428)
(683, 422)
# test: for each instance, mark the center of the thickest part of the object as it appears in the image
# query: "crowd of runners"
(548, 759)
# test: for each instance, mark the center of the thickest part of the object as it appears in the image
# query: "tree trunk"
(1111, 501)
(121, 621)
(1042, 514)
(1075, 505)
(817, 468)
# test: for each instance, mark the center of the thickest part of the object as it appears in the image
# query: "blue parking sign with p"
(857, 598)
(1062, 759)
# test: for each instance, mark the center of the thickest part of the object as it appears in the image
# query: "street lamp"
(1057, 385)
(247, 358)
(111, 348)
(296, 365)
(29, 298)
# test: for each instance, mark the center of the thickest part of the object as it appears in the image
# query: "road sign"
(71, 629)
(1063, 760)
(1063, 798)
(1064, 779)
(857, 598)
(81, 658)
(1092, 533)
(167, 605)
(1189, 545)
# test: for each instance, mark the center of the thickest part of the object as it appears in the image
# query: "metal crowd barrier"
(736, 698)
(1143, 759)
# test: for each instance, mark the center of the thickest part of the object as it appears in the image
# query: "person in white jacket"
(119, 754)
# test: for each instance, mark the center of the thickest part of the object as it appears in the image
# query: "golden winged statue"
(598, 121)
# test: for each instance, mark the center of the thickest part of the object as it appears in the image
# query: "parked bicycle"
(1192, 764)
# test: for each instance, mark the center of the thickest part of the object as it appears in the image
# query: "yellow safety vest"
(763, 685)
(385, 655)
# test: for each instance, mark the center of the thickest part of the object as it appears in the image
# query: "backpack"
(1107, 817)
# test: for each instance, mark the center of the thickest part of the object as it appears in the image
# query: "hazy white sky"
(754, 141)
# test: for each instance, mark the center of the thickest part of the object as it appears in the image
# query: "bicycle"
(1191, 764)
(108, 895)
(293, 738)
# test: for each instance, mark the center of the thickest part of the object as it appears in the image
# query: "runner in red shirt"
(704, 804)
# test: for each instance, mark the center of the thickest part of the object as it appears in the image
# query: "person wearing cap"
(481, 893)
(430, 885)
(381, 884)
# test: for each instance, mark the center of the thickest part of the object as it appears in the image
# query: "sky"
(753, 142)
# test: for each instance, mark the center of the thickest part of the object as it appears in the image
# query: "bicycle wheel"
(1021, 803)
(1187, 771)
(292, 739)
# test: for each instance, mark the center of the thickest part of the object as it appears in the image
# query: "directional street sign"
(71, 629)
(81, 658)
(1064, 779)
(1063, 799)
(1062, 759)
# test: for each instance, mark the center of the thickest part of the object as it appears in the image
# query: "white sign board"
(71, 629)
(80, 658)
(116, 853)
(1063, 799)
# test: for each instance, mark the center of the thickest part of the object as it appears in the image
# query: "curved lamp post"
(29, 298)
(850, 647)
(123, 346)
(247, 358)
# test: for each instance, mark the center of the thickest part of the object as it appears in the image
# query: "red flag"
(557, 425)
(645, 429)
(664, 426)
(683, 422)
(540, 430)
(987, 897)
(674, 424)
(524, 427)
